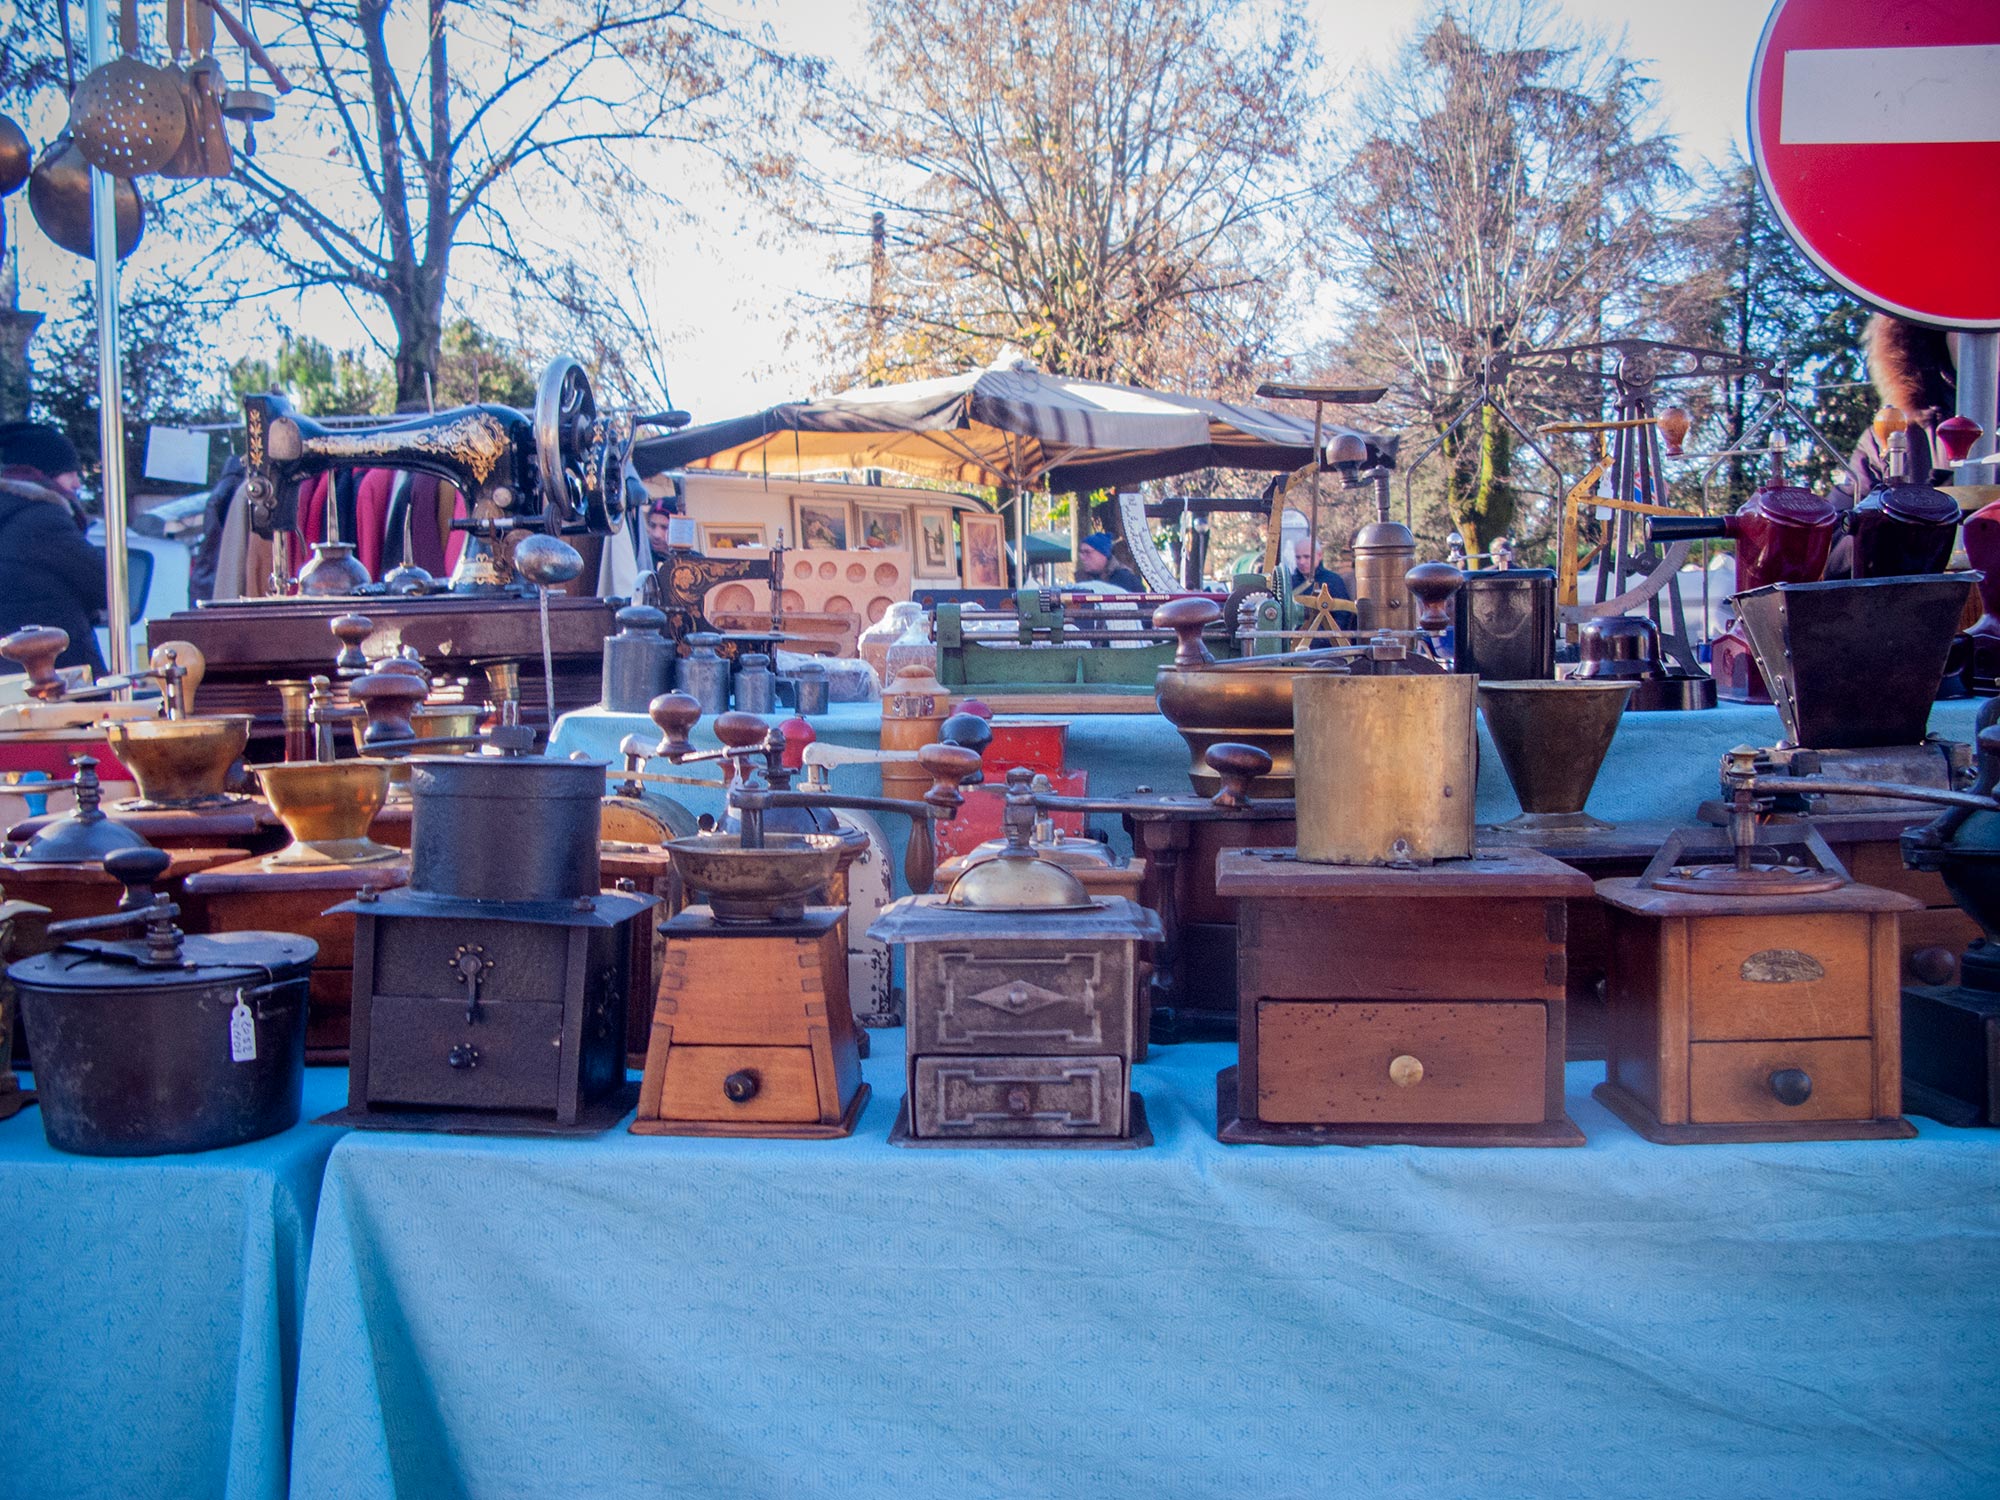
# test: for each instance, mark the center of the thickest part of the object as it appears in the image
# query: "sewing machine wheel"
(581, 455)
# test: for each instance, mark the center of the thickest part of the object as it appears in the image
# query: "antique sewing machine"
(753, 1033)
(1783, 534)
(1753, 983)
(1022, 1001)
(559, 469)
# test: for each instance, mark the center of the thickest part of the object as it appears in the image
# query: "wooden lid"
(1495, 872)
(1625, 893)
(249, 875)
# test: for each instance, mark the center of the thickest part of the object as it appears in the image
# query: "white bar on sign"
(1890, 96)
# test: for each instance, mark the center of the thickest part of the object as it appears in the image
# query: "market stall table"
(667, 1316)
(152, 1307)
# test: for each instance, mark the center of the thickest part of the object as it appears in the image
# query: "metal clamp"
(469, 964)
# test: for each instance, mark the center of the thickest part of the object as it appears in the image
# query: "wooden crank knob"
(741, 731)
(1187, 619)
(674, 714)
(192, 661)
(1238, 765)
(388, 698)
(36, 648)
(1673, 423)
(1889, 420)
(1432, 584)
(970, 730)
(350, 631)
(948, 766)
(1405, 1071)
(138, 870)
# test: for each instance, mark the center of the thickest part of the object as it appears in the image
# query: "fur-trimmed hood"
(1912, 368)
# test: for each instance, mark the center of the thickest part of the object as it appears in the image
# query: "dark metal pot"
(505, 827)
(134, 1061)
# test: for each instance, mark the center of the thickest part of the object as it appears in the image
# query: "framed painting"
(822, 525)
(733, 536)
(934, 555)
(883, 528)
(983, 564)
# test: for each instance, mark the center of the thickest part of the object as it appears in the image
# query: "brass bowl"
(180, 762)
(327, 809)
(770, 884)
(1552, 738)
(1242, 705)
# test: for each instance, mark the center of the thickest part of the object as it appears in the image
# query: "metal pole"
(110, 382)
(1979, 392)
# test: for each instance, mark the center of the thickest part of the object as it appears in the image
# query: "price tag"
(242, 1033)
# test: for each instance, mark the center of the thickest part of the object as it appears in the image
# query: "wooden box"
(1762, 1018)
(245, 896)
(1417, 1006)
(1951, 1053)
(752, 1033)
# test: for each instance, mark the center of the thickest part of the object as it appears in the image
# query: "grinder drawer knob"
(741, 1086)
(1019, 1101)
(1791, 1086)
(464, 1055)
(1405, 1071)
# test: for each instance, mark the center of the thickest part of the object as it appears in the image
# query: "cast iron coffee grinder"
(753, 1033)
(490, 995)
(1022, 1001)
(1853, 665)
(1783, 534)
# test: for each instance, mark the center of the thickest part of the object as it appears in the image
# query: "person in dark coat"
(1307, 572)
(49, 575)
(1094, 565)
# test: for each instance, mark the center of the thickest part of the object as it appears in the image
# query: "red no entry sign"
(1875, 127)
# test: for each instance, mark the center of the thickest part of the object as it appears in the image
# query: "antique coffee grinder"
(1853, 665)
(1022, 996)
(1902, 527)
(1753, 984)
(23, 929)
(327, 806)
(1350, 1038)
(1783, 534)
(490, 995)
(754, 1033)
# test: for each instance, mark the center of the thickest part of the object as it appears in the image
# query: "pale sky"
(723, 300)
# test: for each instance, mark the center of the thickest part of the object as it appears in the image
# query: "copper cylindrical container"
(1385, 767)
(1383, 552)
(914, 708)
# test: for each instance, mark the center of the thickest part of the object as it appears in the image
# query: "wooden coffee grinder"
(1752, 985)
(753, 1034)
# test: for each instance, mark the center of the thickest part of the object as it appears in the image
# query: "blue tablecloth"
(1660, 768)
(151, 1309)
(653, 1316)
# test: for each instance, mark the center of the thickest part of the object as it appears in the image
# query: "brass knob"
(674, 714)
(1238, 765)
(1187, 619)
(1405, 1071)
(741, 1086)
(1791, 1086)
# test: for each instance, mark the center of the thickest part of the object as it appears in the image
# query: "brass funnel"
(771, 884)
(180, 763)
(1552, 738)
(327, 808)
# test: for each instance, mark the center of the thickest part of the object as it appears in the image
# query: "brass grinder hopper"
(1552, 738)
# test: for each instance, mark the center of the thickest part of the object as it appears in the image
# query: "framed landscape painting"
(984, 565)
(822, 524)
(934, 556)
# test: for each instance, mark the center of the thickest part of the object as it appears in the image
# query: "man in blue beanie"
(49, 575)
(1094, 565)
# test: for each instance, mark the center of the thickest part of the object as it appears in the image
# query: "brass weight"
(1385, 767)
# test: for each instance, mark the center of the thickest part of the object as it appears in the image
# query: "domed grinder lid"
(223, 958)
